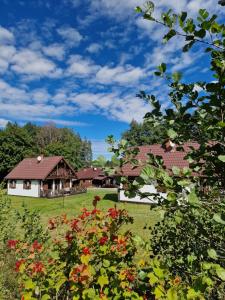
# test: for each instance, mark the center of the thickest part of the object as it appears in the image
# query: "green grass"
(72, 205)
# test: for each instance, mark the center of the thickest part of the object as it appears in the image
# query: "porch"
(53, 188)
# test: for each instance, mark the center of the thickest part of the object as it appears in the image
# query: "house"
(41, 177)
(94, 177)
(171, 157)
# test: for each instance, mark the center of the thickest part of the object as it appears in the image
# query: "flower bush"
(87, 257)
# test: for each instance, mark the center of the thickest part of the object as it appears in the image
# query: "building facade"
(41, 177)
(172, 157)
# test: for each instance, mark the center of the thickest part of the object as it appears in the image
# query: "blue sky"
(80, 63)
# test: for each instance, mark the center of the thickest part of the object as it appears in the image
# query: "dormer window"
(26, 184)
(12, 184)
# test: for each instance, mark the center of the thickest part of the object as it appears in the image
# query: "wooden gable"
(62, 171)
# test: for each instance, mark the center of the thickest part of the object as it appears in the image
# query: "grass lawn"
(142, 214)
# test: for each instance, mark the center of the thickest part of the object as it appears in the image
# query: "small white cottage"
(40, 177)
(171, 155)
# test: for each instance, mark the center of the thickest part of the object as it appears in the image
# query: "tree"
(15, 144)
(100, 161)
(190, 239)
(144, 134)
(31, 140)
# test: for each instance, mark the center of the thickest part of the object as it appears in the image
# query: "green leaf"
(200, 33)
(172, 294)
(212, 253)
(138, 9)
(162, 68)
(103, 280)
(158, 292)
(193, 199)
(169, 35)
(176, 76)
(147, 173)
(171, 133)
(159, 272)
(218, 219)
(221, 158)
(106, 263)
(203, 13)
(220, 273)
(183, 16)
(45, 297)
(188, 46)
(192, 294)
(176, 170)
(29, 284)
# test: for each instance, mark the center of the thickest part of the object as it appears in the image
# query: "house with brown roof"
(172, 157)
(41, 177)
(94, 177)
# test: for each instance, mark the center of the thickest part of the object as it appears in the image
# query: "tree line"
(30, 140)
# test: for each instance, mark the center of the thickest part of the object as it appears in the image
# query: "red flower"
(103, 240)
(85, 214)
(69, 237)
(130, 277)
(95, 211)
(11, 244)
(18, 264)
(74, 224)
(113, 213)
(36, 246)
(38, 267)
(97, 198)
(86, 251)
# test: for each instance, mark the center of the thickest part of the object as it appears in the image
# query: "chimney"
(40, 158)
(169, 146)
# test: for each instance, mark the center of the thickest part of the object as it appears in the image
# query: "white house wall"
(137, 199)
(34, 191)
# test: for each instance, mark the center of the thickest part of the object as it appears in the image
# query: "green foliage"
(190, 239)
(191, 242)
(18, 142)
(144, 134)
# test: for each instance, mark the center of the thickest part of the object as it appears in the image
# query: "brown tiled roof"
(170, 158)
(30, 168)
(89, 173)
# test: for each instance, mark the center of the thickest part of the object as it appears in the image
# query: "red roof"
(30, 168)
(173, 158)
(89, 173)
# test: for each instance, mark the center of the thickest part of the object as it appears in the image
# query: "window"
(27, 185)
(12, 184)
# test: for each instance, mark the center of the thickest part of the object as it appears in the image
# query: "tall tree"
(144, 134)
(15, 144)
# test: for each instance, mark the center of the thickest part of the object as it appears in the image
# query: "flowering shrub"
(86, 257)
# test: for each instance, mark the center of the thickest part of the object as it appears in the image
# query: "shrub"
(86, 258)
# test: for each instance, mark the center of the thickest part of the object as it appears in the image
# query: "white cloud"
(6, 37)
(71, 36)
(40, 96)
(121, 75)
(3, 122)
(9, 93)
(6, 54)
(81, 67)
(56, 51)
(32, 63)
(94, 48)
(112, 105)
